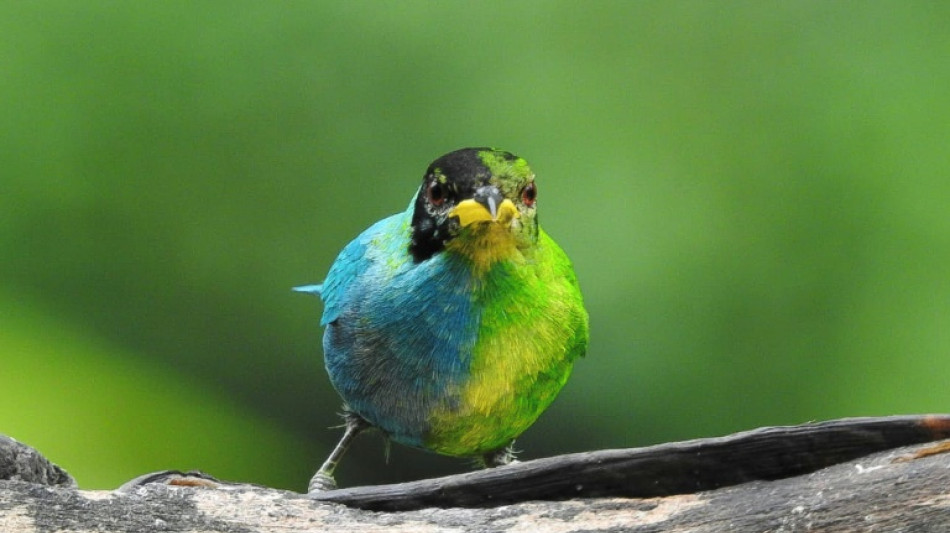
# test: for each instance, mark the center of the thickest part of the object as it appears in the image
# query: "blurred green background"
(755, 196)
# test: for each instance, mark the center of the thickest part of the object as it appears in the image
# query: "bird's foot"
(504, 456)
(321, 482)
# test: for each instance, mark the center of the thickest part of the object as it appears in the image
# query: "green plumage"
(533, 326)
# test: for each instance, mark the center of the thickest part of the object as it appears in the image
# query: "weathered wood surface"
(20, 462)
(897, 489)
(662, 470)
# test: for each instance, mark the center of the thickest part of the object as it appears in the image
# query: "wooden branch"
(22, 463)
(675, 468)
(903, 488)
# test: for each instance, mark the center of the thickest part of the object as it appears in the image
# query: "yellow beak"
(471, 211)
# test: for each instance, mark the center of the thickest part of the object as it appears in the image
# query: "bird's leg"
(323, 479)
(500, 457)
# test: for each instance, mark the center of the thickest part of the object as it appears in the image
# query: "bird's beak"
(488, 205)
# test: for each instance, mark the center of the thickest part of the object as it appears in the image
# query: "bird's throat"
(485, 244)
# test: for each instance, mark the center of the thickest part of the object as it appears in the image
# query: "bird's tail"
(311, 289)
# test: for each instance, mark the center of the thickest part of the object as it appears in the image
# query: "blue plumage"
(404, 346)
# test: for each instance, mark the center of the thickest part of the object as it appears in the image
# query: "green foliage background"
(755, 196)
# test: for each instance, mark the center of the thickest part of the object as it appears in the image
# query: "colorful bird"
(452, 326)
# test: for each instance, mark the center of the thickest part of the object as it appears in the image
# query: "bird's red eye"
(436, 193)
(529, 194)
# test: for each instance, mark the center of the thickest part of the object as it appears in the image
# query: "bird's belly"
(474, 407)
(493, 409)
(393, 382)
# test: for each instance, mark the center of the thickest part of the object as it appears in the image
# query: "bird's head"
(478, 202)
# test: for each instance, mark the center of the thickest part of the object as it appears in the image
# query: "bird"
(452, 325)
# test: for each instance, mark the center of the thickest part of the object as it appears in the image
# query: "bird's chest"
(437, 327)
(442, 319)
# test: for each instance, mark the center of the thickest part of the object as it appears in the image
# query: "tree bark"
(847, 475)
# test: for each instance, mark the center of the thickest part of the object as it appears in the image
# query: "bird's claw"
(321, 482)
(500, 457)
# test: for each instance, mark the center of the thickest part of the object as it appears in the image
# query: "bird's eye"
(436, 193)
(529, 194)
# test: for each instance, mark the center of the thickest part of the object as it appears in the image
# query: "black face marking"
(454, 177)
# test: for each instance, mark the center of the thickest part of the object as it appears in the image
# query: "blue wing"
(399, 334)
(350, 264)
